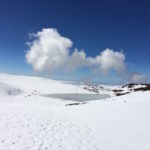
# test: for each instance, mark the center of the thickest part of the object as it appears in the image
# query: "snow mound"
(6, 90)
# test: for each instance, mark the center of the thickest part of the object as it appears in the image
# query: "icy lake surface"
(78, 97)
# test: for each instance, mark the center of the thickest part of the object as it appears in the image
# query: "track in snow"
(43, 131)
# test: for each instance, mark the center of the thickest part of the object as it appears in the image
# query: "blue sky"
(91, 25)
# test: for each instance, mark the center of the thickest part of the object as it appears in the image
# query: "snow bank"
(7, 90)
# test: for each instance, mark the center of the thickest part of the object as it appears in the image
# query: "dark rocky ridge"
(126, 89)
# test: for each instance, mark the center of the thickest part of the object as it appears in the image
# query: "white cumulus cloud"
(110, 60)
(50, 51)
(76, 60)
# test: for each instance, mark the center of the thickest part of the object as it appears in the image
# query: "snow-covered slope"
(39, 123)
(43, 85)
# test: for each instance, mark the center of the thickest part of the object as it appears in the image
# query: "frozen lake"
(78, 97)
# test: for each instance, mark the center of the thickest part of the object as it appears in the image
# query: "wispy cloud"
(137, 78)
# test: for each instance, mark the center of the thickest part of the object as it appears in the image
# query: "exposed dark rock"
(116, 91)
(92, 89)
(130, 85)
(71, 104)
(120, 94)
(147, 88)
